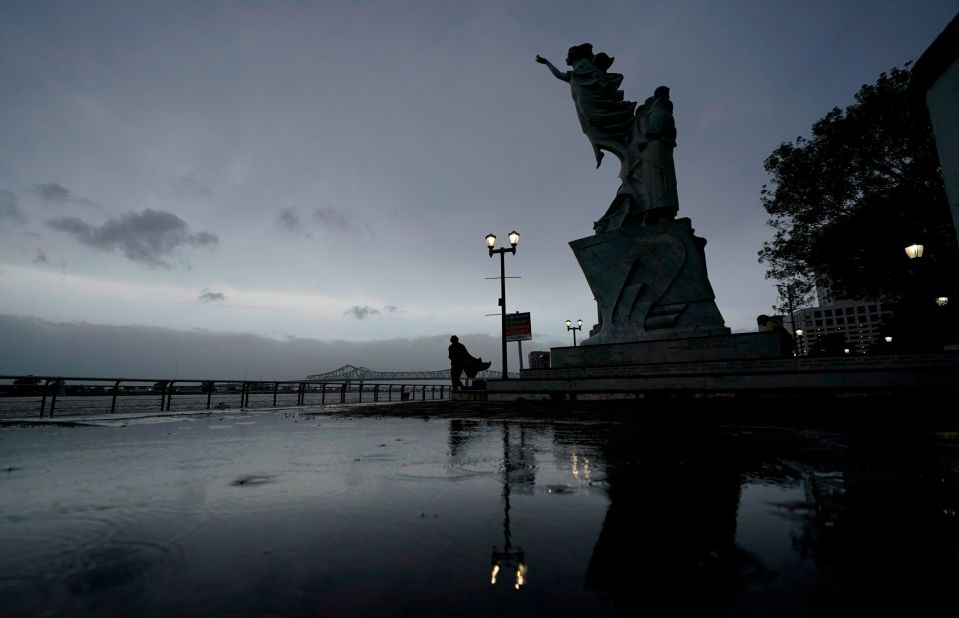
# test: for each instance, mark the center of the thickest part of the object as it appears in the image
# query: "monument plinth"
(649, 282)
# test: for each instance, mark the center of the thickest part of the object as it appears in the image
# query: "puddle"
(379, 516)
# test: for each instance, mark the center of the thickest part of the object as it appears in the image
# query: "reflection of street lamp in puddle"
(575, 465)
(508, 558)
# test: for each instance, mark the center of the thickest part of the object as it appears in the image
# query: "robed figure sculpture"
(641, 137)
(646, 269)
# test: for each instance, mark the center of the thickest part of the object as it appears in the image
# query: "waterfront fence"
(50, 395)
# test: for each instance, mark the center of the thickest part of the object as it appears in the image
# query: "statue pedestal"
(741, 346)
(650, 283)
(655, 303)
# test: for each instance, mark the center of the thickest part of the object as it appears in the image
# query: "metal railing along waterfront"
(49, 395)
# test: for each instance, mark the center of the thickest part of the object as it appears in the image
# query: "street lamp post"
(490, 242)
(569, 326)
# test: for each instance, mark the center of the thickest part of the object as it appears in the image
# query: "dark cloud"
(10, 208)
(288, 220)
(56, 193)
(146, 237)
(361, 312)
(331, 220)
(41, 257)
(208, 296)
(341, 221)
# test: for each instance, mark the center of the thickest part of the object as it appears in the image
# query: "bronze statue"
(642, 138)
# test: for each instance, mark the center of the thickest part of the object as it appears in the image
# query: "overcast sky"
(280, 172)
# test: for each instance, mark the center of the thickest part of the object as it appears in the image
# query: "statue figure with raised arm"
(641, 138)
(645, 268)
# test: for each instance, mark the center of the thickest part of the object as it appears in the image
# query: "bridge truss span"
(352, 372)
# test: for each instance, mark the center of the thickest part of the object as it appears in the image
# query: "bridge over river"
(348, 373)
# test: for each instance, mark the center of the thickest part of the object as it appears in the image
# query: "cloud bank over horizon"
(39, 347)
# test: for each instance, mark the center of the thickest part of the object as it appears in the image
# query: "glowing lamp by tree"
(914, 251)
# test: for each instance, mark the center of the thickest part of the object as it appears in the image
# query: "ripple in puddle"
(252, 480)
(96, 549)
(444, 471)
(203, 462)
(115, 564)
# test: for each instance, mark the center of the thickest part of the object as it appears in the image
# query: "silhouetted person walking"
(461, 360)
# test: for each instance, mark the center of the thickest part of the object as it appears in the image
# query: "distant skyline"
(325, 172)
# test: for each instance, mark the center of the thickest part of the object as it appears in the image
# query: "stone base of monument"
(840, 376)
(650, 283)
(740, 346)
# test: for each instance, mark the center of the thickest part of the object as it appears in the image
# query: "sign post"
(517, 327)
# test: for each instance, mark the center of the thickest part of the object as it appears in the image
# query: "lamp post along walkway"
(569, 326)
(490, 243)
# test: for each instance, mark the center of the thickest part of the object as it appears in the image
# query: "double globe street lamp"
(490, 243)
(569, 326)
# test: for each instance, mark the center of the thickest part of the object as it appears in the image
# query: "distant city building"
(539, 360)
(824, 292)
(858, 321)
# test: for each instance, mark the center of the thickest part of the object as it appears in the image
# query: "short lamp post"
(569, 326)
(799, 333)
(490, 243)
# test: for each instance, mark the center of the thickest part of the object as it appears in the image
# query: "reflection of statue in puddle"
(518, 472)
(670, 529)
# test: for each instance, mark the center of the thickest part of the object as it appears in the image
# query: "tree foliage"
(845, 202)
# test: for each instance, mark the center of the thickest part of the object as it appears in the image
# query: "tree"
(845, 202)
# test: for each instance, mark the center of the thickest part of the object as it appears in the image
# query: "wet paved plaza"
(579, 509)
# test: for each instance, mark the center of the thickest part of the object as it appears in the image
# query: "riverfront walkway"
(684, 413)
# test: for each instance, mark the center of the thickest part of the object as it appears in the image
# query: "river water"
(293, 514)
